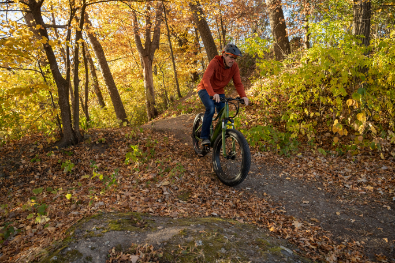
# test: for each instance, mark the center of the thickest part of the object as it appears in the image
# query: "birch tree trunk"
(204, 29)
(107, 76)
(279, 30)
(147, 54)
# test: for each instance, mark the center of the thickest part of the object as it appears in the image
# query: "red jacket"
(217, 77)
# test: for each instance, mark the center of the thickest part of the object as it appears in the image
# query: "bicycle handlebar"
(230, 99)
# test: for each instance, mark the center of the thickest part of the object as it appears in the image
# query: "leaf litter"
(40, 199)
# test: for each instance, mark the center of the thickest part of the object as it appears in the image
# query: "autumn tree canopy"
(67, 66)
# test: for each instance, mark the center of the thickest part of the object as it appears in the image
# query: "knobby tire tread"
(246, 159)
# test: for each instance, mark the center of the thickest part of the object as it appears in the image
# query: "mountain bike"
(231, 155)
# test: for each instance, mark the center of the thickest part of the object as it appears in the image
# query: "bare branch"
(106, 1)
(55, 26)
(28, 69)
(136, 34)
(116, 59)
(12, 11)
(156, 37)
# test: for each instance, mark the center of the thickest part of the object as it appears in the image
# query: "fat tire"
(197, 146)
(242, 173)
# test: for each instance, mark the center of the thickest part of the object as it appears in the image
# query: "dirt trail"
(346, 214)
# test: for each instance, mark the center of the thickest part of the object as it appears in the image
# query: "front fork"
(224, 128)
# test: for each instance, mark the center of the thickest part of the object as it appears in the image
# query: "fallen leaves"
(149, 186)
(297, 224)
(137, 253)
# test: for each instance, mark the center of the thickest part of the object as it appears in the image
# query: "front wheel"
(233, 166)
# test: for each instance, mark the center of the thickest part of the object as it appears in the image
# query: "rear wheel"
(196, 131)
(233, 167)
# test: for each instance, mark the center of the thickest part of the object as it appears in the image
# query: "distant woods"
(70, 66)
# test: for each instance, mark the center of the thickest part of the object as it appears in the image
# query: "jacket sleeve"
(237, 81)
(207, 76)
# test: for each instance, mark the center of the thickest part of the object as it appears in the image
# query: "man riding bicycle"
(219, 72)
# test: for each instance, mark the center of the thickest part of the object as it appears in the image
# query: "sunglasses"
(231, 56)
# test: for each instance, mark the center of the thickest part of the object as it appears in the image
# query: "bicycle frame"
(221, 127)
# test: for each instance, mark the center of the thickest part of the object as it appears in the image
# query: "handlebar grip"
(220, 98)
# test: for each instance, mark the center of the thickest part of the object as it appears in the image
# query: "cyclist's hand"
(245, 100)
(216, 98)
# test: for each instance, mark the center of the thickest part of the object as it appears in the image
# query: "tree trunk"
(96, 86)
(197, 42)
(223, 28)
(171, 53)
(107, 76)
(166, 99)
(147, 54)
(306, 12)
(204, 30)
(85, 106)
(149, 88)
(76, 108)
(219, 35)
(279, 30)
(61, 84)
(361, 23)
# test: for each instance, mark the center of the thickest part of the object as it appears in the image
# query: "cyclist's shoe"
(206, 142)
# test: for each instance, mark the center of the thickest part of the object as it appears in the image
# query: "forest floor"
(315, 191)
(150, 182)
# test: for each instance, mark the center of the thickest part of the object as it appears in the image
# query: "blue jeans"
(210, 110)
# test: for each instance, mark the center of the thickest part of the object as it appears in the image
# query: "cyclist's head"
(232, 49)
(230, 53)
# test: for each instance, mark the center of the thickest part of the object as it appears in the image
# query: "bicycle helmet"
(232, 49)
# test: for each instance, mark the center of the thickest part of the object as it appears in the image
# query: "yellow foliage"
(44, 40)
(361, 117)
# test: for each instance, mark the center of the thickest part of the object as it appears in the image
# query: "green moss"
(214, 247)
(263, 243)
(69, 256)
(183, 232)
(275, 250)
(121, 225)
(131, 222)
(88, 258)
(92, 233)
(207, 220)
